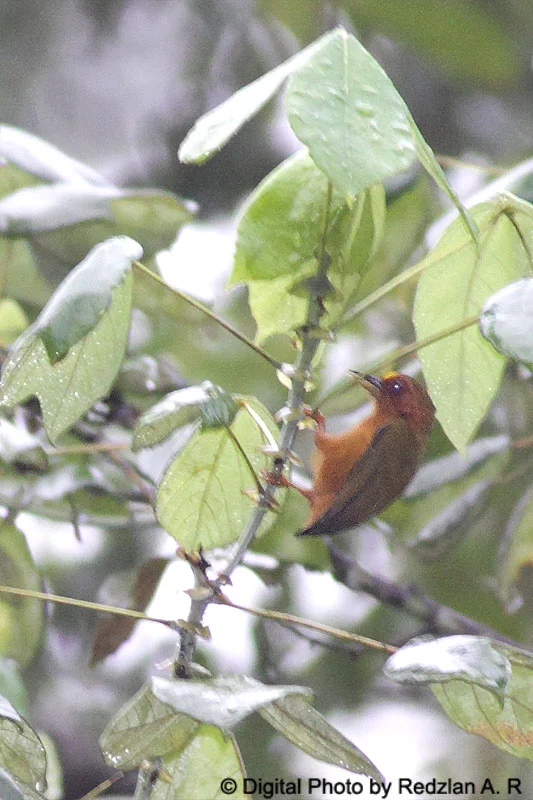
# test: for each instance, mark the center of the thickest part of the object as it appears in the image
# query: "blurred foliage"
(107, 83)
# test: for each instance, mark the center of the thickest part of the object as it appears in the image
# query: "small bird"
(358, 474)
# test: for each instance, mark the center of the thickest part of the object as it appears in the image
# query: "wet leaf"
(70, 356)
(470, 659)
(223, 702)
(479, 711)
(506, 320)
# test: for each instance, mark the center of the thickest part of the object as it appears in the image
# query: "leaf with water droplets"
(343, 106)
(508, 725)
(70, 356)
(22, 752)
(144, 728)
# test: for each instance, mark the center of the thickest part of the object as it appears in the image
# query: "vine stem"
(336, 633)
(302, 367)
(73, 601)
(208, 313)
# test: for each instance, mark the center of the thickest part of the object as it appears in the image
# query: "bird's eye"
(397, 387)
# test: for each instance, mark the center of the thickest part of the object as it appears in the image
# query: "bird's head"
(399, 395)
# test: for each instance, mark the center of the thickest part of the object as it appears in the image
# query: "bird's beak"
(372, 384)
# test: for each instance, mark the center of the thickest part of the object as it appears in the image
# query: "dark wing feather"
(376, 479)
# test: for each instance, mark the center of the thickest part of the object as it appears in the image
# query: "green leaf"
(223, 702)
(85, 295)
(471, 659)
(211, 132)
(145, 728)
(210, 762)
(71, 354)
(200, 500)
(22, 753)
(470, 43)
(280, 233)
(462, 370)
(207, 402)
(479, 711)
(343, 106)
(506, 320)
(304, 726)
(408, 214)
(19, 615)
(517, 554)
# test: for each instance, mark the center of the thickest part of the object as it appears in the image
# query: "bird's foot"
(281, 480)
(315, 415)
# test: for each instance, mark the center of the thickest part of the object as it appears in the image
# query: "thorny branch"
(318, 287)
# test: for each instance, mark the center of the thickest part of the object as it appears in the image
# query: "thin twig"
(88, 604)
(336, 633)
(208, 313)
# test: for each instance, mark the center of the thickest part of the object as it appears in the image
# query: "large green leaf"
(21, 618)
(209, 767)
(280, 233)
(200, 500)
(477, 710)
(71, 355)
(462, 370)
(343, 106)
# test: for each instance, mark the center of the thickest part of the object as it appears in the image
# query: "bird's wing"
(377, 478)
